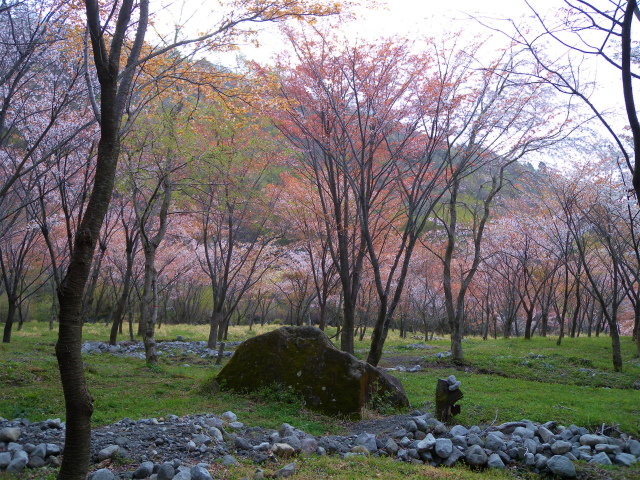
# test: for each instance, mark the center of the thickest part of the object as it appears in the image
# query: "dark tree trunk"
(78, 401)
(11, 313)
(527, 329)
(323, 315)
(213, 332)
(122, 302)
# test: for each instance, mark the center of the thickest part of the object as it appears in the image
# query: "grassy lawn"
(502, 380)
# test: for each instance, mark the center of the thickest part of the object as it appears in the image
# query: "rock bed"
(185, 448)
(168, 349)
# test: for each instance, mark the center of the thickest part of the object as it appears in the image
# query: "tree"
(305, 224)
(584, 29)
(501, 115)
(233, 205)
(587, 209)
(351, 113)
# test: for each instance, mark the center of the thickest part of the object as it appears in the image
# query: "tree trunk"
(122, 302)
(78, 401)
(149, 307)
(323, 315)
(130, 315)
(456, 338)
(348, 327)
(615, 347)
(11, 313)
(527, 329)
(213, 332)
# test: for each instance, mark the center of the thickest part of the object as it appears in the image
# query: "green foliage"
(493, 380)
(381, 402)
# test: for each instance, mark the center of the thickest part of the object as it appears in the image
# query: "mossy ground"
(500, 379)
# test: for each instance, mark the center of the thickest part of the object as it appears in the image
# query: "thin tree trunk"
(11, 312)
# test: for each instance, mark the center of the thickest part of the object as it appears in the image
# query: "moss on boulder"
(302, 358)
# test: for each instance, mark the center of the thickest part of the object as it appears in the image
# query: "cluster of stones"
(15, 456)
(185, 448)
(168, 349)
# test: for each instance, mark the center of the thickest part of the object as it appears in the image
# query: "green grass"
(502, 380)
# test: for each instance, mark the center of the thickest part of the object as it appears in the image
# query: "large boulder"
(303, 359)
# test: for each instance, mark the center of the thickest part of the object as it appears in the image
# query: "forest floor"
(502, 380)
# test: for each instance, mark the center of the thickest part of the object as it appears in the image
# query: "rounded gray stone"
(9, 434)
(242, 444)
(475, 456)
(410, 426)
(523, 432)
(41, 451)
(367, 440)
(166, 472)
(293, 441)
(309, 446)
(474, 439)
(229, 460)
(443, 447)
(458, 430)
(561, 466)
(560, 447)
(18, 461)
(108, 452)
(391, 447)
(495, 461)
(625, 459)
(592, 440)
(286, 471)
(144, 470)
(200, 473)
(494, 442)
(229, 417)
(102, 474)
(5, 459)
(286, 430)
(35, 462)
(601, 459)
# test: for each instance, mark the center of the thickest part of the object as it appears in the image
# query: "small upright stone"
(5, 459)
(544, 434)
